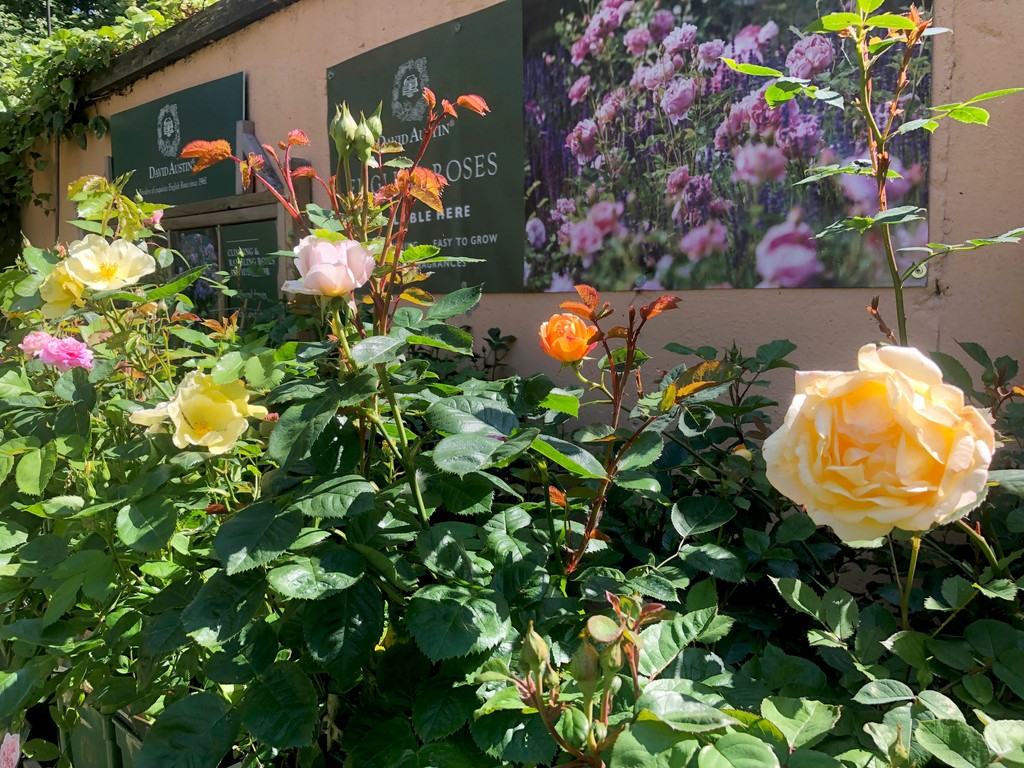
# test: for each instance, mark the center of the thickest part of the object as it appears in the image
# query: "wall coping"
(183, 39)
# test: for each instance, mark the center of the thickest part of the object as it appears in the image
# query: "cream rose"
(329, 268)
(205, 414)
(888, 446)
(59, 292)
(104, 266)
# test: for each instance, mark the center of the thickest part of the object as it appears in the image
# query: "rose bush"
(887, 446)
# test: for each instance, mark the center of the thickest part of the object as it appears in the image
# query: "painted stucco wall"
(977, 185)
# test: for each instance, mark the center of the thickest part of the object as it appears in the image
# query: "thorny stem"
(984, 546)
(915, 544)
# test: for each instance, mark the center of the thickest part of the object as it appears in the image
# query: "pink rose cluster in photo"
(62, 353)
(810, 56)
(787, 256)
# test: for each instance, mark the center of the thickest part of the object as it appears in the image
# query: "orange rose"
(566, 337)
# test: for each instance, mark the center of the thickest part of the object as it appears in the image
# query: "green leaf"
(35, 468)
(660, 701)
(869, 6)
(222, 607)
(569, 456)
(462, 454)
(990, 638)
(562, 402)
(953, 742)
(796, 527)
(16, 685)
(316, 577)
(652, 744)
(970, 115)
(1004, 736)
(74, 387)
(193, 732)
(782, 91)
(443, 336)
(839, 612)
(917, 125)
(751, 69)
(891, 21)
(148, 524)
(693, 515)
(883, 692)
(244, 656)
(510, 736)
(468, 414)
(804, 722)
(377, 349)
(298, 429)
(467, 495)
(255, 536)
(456, 303)
(1010, 480)
(715, 560)
(280, 707)
(337, 497)
(798, 595)
(447, 622)
(342, 631)
(737, 750)
(644, 451)
(442, 550)
(441, 709)
(12, 535)
(834, 22)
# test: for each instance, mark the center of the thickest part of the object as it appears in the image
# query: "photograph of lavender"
(653, 165)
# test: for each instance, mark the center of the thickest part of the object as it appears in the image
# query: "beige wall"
(977, 185)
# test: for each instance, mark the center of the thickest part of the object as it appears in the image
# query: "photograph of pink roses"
(652, 164)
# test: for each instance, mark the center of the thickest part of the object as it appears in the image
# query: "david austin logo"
(168, 130)
(407, 95)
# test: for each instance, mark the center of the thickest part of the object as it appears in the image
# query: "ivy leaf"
(448, 622)
(255, 536)
(280, 707)
(193, 732)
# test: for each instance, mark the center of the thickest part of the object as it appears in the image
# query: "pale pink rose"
(536, 234)
(636, 82)
(582, 141)
(329, 268)
(578, 90)
(800, 137)
(610, 106)
(66, 353)
(10, 750)
(154, 220)
(736, 126)
(705, 240)
(680, 39)
(746, 46)
(676, 181)
(659, 73)
(637, 40)
(605, 216)
(709, 54)
(584, 238)
(662, 24)
(787, 256)
(810, 56)
(759, 163)
(764, 120)
(33, 344)
(561, 283)
(767, 33)
(678, 98)
(564, 207)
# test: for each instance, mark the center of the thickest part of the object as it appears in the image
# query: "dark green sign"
(482, 158)
(245, 256)
(148, 140)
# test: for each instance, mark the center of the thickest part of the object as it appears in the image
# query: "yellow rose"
(103, 266)
(60, 291)
(888, 446)
(205, 414)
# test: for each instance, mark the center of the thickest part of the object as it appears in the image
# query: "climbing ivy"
(42, 96)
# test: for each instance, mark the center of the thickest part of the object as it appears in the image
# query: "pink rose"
(605, 216)
(578, 90)
(659, 73)
(746, 46)
(810, 56)
(705, 240)
(582, 141)
(735, 127)
(678, 98)
(680, 39)
(564, 207)
(536, 234)
(637, 40)
(33, 344)
(800, 137)
(662, 23)
(584, 238)
(10, 750)
(787, 257)
(767, 33)
(329, 267)
(709, 54)
(758, 163)
(65, 354)
(677, 181)
(610, 107)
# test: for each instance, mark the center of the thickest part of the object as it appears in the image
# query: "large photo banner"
(646, 162)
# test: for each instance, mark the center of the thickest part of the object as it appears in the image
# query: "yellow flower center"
(108, 270)
(201, 428)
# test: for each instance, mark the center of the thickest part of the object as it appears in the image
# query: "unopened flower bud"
(373, 122)
(585, 669)
(535, 651)
(343, 130)
(613, 658)
(600, 731)
(364, 142)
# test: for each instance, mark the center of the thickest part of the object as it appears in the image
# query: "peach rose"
(888, 446)
(565, 337)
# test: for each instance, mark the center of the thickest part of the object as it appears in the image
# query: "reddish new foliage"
(206, 153)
